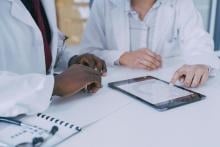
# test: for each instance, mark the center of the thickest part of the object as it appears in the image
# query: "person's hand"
(143, 58)
(91, 61)
(191, 76)
(75, 79)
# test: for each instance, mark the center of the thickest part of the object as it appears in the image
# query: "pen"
(13, 121)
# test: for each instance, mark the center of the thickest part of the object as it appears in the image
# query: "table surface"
(113, 119)
(138, 125)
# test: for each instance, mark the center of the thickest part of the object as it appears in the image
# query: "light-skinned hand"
(191, 76)
(142, 58)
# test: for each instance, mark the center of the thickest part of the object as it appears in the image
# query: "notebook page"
(14, 135)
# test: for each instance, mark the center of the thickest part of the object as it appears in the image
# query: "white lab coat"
(24, 86)
(178, 31)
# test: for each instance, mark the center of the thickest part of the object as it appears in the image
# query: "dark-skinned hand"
(75, 79)
(91, 61)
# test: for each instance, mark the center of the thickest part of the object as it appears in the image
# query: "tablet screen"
(154, 91)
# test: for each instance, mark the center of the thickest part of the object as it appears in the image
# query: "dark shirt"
(28, 4)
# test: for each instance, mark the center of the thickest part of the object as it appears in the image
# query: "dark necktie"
(40, 22)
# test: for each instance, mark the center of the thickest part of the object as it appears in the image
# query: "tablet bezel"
(163, 106)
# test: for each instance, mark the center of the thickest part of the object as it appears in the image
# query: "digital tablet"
(157, 93)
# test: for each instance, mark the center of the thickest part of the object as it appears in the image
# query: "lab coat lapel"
(120, 24)
(19, 11)
(49, 7)
(163, 21)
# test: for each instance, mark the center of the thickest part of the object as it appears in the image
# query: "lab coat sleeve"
(24, 94)
(94, 39)
(196, 44)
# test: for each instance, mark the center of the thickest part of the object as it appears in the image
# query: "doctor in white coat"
(26, 85)
(141, 33)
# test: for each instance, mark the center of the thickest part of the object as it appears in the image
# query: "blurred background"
(73, 14)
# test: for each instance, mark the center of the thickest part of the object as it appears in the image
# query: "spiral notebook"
(14, 135)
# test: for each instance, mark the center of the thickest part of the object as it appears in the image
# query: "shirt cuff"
(117, 62)
(212, 72)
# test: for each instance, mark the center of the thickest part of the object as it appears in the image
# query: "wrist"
(56, 89)
(122, 60)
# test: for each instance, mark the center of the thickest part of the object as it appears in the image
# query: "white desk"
(118, 120)
(138, 125)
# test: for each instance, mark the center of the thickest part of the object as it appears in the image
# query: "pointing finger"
(177, 76)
